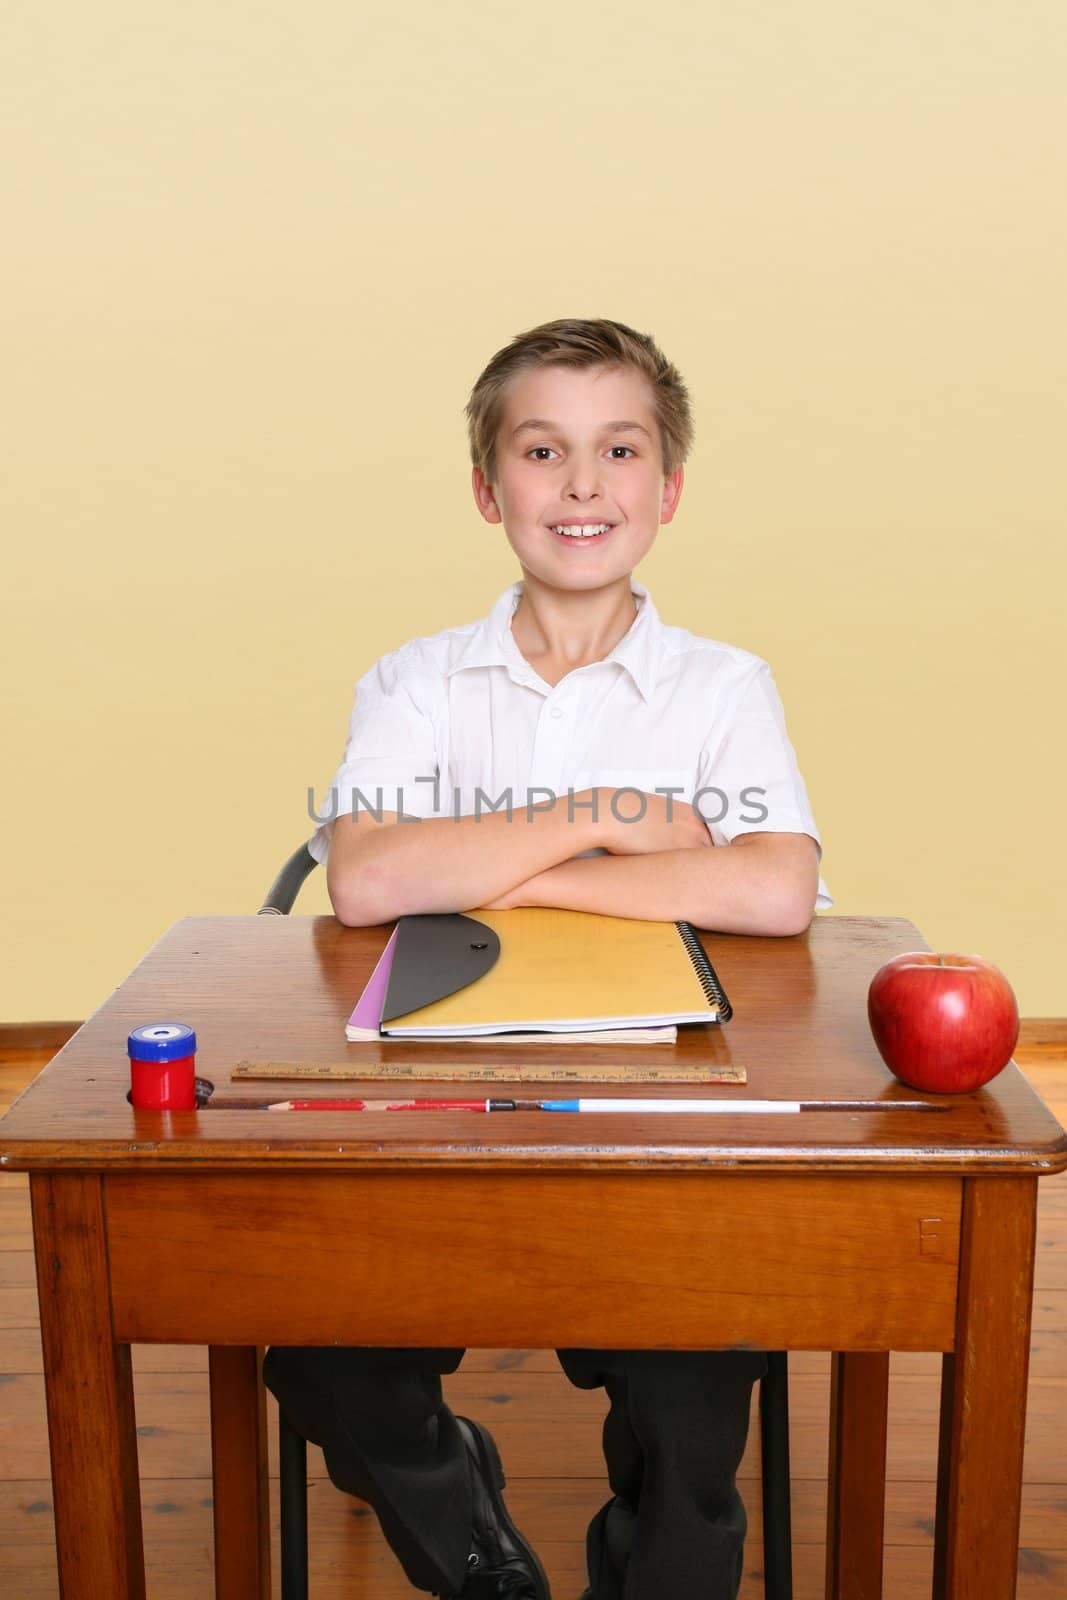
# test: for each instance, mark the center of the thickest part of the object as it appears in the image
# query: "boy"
(569, 692)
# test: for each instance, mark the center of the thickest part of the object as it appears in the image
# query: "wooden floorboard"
(548, 1434)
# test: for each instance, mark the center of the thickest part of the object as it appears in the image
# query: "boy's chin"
(595, 577)
(578, 569)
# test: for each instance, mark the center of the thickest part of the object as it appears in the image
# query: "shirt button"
(556, 712)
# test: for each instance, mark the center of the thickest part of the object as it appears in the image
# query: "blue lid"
(161, 1041)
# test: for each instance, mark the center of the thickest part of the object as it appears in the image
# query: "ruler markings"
(487, 1072)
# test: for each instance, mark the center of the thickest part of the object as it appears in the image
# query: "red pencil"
(394, 1105)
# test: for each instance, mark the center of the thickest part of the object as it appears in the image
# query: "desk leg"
(89, 1394)
(859, 1412)
(239, 1473)
(983, 1394)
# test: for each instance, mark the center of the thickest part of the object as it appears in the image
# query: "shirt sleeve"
(750, 772)
(390, 761)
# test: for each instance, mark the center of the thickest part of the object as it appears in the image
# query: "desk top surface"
(282, 988)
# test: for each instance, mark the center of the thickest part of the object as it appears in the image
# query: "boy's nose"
(584, 485)
(584, 480)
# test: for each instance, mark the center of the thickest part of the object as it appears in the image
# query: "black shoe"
(501, 1565)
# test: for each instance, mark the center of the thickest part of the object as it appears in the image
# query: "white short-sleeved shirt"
(461, 711)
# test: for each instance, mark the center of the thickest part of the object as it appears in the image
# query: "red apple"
(943, 1023)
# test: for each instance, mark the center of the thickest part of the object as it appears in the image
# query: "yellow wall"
(255, 254)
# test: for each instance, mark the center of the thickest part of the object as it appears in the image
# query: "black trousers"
(673, 1440)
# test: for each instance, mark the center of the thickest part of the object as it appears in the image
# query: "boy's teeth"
(582, 533)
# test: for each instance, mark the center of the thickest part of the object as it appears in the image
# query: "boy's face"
(579, 447)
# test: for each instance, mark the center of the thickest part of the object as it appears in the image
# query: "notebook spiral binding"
(709, 978)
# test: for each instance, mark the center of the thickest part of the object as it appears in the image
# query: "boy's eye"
(541, 452)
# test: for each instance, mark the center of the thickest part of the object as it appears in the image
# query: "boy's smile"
(580, 488)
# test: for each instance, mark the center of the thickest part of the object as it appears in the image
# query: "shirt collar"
(492, 644)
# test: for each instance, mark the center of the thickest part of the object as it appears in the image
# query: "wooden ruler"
(492, 1072)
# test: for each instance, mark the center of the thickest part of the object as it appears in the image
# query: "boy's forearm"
(743, 889)
(448, 863)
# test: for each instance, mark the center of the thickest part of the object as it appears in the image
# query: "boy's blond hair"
(573, 342)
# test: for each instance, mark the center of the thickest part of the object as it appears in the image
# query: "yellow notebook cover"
(565, 970)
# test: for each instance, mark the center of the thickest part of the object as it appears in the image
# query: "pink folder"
(366, 1020)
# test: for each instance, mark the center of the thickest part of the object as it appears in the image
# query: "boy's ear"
(672, 493)
(483, 494)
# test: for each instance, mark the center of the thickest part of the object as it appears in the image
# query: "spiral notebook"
(541, 970)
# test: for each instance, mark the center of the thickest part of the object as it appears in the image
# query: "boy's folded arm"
(379, 870)
(760, 884)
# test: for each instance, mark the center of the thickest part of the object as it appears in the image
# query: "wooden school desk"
(854, 1232)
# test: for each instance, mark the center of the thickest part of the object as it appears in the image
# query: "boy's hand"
(686, 829)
